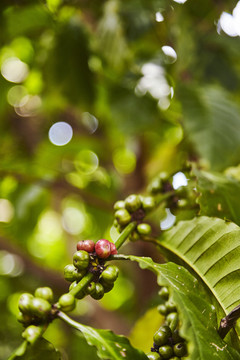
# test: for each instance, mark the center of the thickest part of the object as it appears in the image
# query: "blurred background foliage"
(97, 97)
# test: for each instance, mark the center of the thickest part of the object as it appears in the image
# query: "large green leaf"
(109, 345)
(219, 195)
(212, 120)
(211, 248)
(197, 315)
(42, 349)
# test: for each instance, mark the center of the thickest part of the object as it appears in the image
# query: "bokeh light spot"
(90, 122)
(73, 220)
(159, 17)
(28, 106)
(86, 162)
(14, 70)
(124, 160)
(60, 133)
(15, 95)
(6, 210)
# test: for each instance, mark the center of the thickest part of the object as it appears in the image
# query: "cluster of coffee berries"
(134, 208)
(90, 257)
(160, 184)
(35, 309)
(168, 344)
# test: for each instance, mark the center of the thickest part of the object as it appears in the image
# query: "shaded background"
(96, 99)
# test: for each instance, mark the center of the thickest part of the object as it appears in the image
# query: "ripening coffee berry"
(110, 274)
(40, 308)
(180, 349)
(45, 293)
(160, 337)
(119, 205)
(31, 333)
(148, 203)
(107, 286)
(25, 303)
(155, 186)
(91, 288)
(144, 229)
(153, 356)
(103, 248)
(134, 236)
(176, 338)
(162, 309)
(72, 274)
(81, 259)
(24, 319)
(123, 217)
(113, 249)
(87, 245)
(99, 292)
(164, 293)
(171, 307)
(67, 302)
(166, 351)
(133, 203)
(172, 320)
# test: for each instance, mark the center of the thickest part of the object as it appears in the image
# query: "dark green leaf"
(197, 315)
(109, 345)
(219, 195)
(211, 120)
(42, 349)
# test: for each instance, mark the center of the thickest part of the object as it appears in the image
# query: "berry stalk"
(125, 233)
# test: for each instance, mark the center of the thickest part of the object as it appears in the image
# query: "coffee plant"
(119, 180)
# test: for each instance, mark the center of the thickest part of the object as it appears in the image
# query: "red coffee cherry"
(113, 249)
(87, 245)
(103, 248)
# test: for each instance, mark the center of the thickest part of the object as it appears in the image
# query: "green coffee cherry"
(107, 286)
(81, 259)
(119, 205)
(123, 217)
(176, 338)
(24, 319)
(25, 303)
(70, 273)
(133, 203)
(134, 236)
(164, 293)
(171, 307)
(110, 274)
(182, 203)
(148, 203)
(162, 309)
(31, 333)
(144, 229)
(91, 288)
(166, 351)
(162, 335)
(67, 302)
(45, 293)
(180, 349)
(99, 292)
(40, 308)
(153, 356)
(155, 186)
(172, 320)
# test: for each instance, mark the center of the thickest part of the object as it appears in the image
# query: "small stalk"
(82, 284)
(61, 315)
(125, 233)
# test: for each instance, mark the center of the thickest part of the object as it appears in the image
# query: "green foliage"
(195, 241)
(135, 111)
(218, 195)
(41, 349)
(198, 316)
